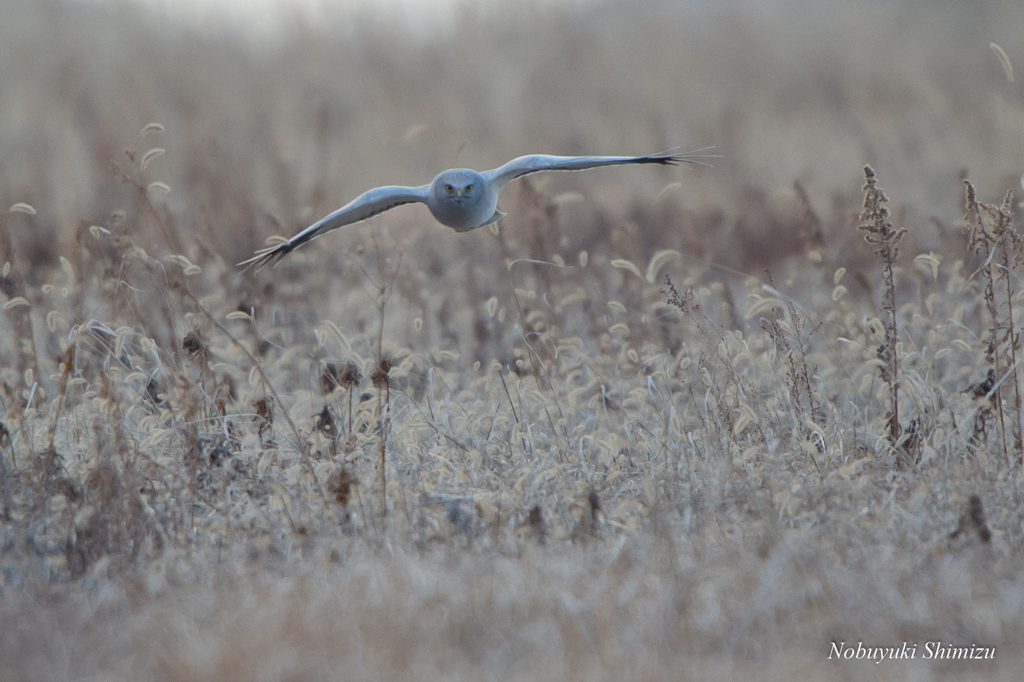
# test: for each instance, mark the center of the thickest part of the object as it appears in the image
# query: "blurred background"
(282, 112)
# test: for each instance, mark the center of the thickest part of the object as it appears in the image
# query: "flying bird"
(460, 198)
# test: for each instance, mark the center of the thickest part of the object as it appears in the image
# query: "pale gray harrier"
(460, 198)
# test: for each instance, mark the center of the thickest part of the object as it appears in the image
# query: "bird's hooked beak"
(458, 192)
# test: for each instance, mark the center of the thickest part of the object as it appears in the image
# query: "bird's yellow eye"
(469, 188)
(449, 189)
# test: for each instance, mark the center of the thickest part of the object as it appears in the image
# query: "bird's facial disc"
(458, 184)
(459, 192)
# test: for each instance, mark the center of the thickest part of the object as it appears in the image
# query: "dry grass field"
(658, 424)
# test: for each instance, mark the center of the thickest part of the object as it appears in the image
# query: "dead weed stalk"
(881, 235)
(991, 234)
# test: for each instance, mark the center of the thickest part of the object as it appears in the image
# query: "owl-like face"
(460, 186)
(458, 191)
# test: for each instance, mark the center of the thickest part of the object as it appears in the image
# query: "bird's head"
(458, 185)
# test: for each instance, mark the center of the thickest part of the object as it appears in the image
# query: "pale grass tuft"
(627, 265)
(187, 266)
(275, 240)
(658, 261)
(567, 198)
(1004, 61)
(21, 207)
(149, 156)
(928, 263)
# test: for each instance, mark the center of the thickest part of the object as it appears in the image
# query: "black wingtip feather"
(266, 257)
(671, 157)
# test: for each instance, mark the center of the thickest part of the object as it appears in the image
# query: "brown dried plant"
(381, 381)
(323, 423)
(349, 378)
(973, 518)
(991, 234)
(264, 418)
(535, 523)
(328, 378)
(342, 483)
(881, 235)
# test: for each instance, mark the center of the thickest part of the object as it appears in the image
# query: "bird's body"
(464, 199)
(460, 198)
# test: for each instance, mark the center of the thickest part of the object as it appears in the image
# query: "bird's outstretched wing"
(366, 205)
(534, 163)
